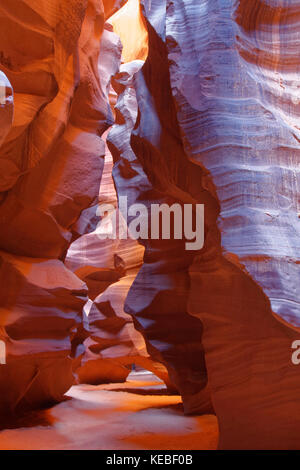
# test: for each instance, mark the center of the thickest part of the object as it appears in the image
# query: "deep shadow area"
(28, 419)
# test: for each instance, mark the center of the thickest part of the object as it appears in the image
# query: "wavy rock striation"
(207, 112)
(151, 167)
(7, 111)
(52, 161)
(114, 345)
(234, 70)
(217, 124)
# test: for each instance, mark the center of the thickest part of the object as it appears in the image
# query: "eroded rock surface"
(234, 70)
(50, 54)
(6, 110)
(207, 113)
(108, 264)
(151, 167)
(217, 124)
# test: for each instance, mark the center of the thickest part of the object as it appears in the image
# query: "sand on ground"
(136, 415)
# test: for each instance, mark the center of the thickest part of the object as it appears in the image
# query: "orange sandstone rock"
(52, 161)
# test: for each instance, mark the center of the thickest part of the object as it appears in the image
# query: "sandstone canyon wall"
(204, 109)
(153, 168)
(217, 124)
(51, 164)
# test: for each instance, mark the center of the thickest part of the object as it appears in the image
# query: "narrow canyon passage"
(149, 224)
(139, 410)
(137, 414)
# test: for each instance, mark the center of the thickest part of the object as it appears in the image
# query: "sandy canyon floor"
(135, 415)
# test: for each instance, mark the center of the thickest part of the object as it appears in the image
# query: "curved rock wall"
(218, 124)
(207, 112)
(51, 166)
(152, 167)
(7, 112)
(238, 82)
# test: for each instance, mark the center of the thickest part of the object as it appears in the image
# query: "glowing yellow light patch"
(129, 25)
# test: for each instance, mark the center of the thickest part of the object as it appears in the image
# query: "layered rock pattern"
(51, 166)
(258, 110)
(151, 167)
(233, 75)
(111, 6)
(217, 123)
(6, 107)
(108, 265)
(207, 112)
(113, 345)
(54, 137)
(41, 325)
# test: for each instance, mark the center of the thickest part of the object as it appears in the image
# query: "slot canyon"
(109, 341)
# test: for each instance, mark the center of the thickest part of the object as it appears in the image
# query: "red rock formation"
(7, 110)
(109, 266)
(207, 112)
(220, 130)
(114, 345)
(102, 261)
(50, 53)
(236, 99)
(60, 120)
(158, 171)
(111, 6)
(41, 303)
